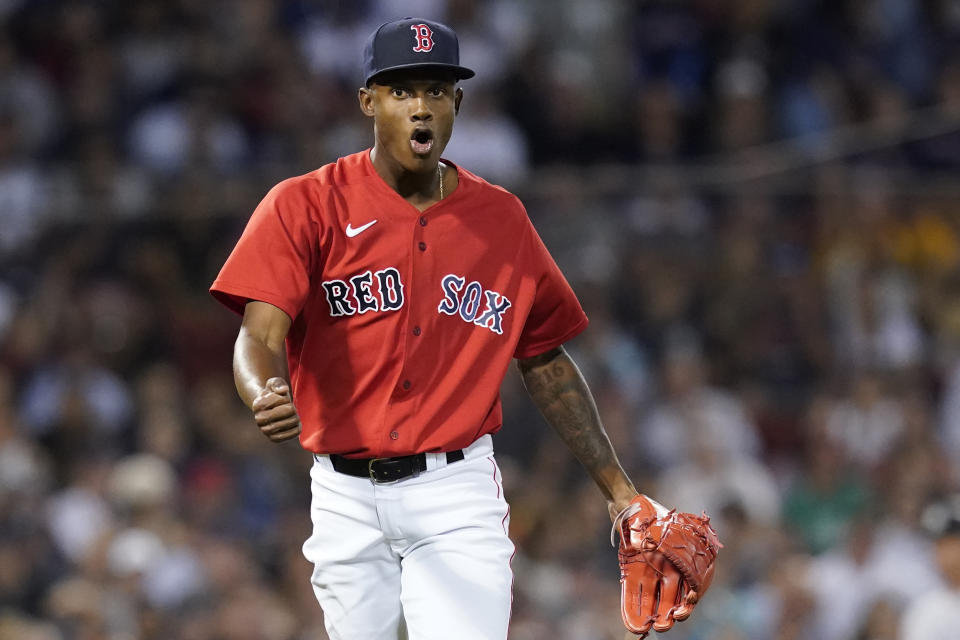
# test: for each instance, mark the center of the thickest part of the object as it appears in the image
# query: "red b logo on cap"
(424, 36)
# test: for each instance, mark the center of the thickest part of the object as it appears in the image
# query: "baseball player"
(383, 297)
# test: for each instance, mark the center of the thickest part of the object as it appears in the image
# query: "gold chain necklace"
(440, 173)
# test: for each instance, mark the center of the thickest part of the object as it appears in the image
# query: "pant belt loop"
(435, 461)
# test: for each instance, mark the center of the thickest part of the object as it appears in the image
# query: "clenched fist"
(274, 411)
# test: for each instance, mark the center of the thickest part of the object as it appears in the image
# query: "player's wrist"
(621, 491)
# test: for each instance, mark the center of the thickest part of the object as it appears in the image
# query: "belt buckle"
(395, 469)
(370, 468)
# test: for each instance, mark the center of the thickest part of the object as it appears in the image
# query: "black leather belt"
(387, 469)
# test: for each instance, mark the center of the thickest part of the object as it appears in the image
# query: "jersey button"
(406, 384)
(394, 435)
(423, 246)
(423, 221)
(417, 331)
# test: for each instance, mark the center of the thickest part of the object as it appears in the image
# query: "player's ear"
(365, 96)
(458, 96)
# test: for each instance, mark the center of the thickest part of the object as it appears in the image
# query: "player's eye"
(398, 92)
(436, 92)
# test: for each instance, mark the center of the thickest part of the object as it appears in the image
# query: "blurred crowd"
(783, 354)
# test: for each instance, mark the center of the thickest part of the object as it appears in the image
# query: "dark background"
(755, 200)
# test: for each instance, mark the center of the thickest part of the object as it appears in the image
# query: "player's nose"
(421, 110)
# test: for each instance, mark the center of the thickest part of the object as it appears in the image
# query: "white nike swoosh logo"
(353, 232)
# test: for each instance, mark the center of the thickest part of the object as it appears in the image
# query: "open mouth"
(421, 141)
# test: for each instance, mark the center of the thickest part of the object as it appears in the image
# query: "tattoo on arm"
(558, 389)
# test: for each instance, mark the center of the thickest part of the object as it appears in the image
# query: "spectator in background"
(949, 409)
(827, 495)
(866, 423)
(840, 584)
(744, 113)
(692, 411)
(195, 133)
(899, 565)
(22, 196)
(30, 100)
(935, 613)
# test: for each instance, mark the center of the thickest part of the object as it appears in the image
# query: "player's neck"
(420, 187)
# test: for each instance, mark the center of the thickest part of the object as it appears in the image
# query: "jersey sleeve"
(273, 259)
(556, 315)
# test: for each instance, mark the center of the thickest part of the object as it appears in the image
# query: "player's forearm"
(558, 389)
(254, 362)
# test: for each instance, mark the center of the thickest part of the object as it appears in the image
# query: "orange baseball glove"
(666, 564)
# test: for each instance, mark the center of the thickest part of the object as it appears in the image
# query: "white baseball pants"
(425, 558)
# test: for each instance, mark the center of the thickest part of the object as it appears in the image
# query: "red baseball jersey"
(404, 322)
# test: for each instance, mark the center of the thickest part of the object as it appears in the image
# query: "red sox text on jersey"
(471, 302)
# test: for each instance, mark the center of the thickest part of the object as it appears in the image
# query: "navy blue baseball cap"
(412, 43)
